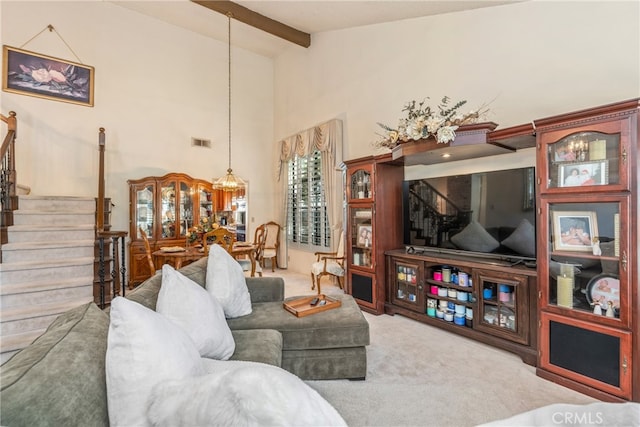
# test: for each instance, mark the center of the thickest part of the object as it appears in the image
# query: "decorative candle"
(565, 291)
(565, 286)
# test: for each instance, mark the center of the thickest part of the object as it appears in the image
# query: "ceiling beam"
(258, 21)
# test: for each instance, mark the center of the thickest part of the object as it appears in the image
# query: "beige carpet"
(419, 375)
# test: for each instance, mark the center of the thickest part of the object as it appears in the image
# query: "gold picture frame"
(42, 76)
(574, 231)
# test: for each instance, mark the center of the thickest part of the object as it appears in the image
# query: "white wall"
(529, 60)
(156, 86)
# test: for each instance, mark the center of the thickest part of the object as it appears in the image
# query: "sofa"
(60, 378)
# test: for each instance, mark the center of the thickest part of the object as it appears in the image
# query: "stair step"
(52, 203)
(10, 345)
(34, 293)
(40, 217)
(18, 320)
(21, 272)
(49, 233)
(31, 251)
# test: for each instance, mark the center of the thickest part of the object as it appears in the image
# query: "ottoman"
(322, 346)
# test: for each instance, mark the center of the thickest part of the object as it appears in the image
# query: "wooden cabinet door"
(590, 354)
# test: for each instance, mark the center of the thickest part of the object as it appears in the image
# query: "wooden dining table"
(193, 253)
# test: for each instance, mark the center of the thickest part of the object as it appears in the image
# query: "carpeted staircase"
(47, 266)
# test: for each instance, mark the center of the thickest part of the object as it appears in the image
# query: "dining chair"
(329, 263)
(147, 248)
(220, 236)
(271, 244)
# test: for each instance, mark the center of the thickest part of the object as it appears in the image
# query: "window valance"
(325, 137)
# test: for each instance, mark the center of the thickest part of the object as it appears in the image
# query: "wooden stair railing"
(8, 179)
(105, 239)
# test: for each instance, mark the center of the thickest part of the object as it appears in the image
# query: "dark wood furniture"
(495, 303)
(374, 225)
(590, 309)
(165, 208)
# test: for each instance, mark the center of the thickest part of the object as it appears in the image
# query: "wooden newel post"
(100, 208)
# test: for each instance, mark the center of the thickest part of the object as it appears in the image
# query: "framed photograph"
(364, 236)
(604, 288)
(574, 231)
(33, 74)
(585, 173)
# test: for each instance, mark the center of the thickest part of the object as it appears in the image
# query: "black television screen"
(485, 213)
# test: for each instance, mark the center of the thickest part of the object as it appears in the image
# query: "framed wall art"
(42, 76)
(574, 231)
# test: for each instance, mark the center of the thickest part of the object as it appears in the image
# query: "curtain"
(327, 138)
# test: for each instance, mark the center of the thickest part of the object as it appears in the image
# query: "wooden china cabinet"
(165, 208)
(374, 225)
(588, 250)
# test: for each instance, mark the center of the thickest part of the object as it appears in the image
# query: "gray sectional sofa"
(60, 378)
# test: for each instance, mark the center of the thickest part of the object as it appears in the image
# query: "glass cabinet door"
(502, 302)
(586, 160)
(408, 285)
(205, 197)
(168, 209)
(186, 208)
(360, 185)
(587, 263)
(361, 236)
(144, 210)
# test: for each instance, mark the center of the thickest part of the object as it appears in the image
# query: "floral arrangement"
(423, 122)
(196, 232)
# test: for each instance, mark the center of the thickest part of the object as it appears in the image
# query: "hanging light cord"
(229, 37)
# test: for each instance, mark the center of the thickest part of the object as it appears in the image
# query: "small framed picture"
(574, 231)
(583, 174)
(42, 76)
(364, 236)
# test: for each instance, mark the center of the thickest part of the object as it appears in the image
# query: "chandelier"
(229, 182)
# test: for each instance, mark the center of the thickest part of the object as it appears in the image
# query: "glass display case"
(374, 225)
(587, 249)
(165, 208)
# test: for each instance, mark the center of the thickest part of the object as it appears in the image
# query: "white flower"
(41, 75)
(433, 123)
(446, 134)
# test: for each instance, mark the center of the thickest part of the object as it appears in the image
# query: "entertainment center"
(551, 274)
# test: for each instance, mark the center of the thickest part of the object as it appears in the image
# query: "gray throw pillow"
(475, 238)
(523, 239)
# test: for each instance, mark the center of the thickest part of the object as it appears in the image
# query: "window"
(307, 222)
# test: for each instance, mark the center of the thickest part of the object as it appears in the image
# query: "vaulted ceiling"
(303, 16)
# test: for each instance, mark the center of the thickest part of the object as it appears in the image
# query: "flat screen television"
(488, 214)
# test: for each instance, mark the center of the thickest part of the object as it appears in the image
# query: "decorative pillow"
(143, 349)
(475, 238)
(197, 312)
(237, 393)
(225, 281)
(523, 239)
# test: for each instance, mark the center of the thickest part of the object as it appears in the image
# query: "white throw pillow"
(196, 311)
(225, 281)
(236, 393)
(143, 349)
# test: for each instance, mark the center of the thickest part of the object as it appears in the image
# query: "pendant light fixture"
(229, 182)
